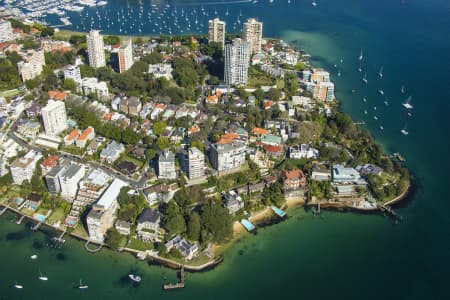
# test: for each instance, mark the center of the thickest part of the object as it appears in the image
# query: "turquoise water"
(336, 255)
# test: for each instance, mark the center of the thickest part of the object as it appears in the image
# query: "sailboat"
(381, 128)
(339, 73)
(361, 56)
(314, 3)
(380, 73)
(359, 68)
(34, 256)
(82, 286)
(42, 277)
(381, 92)
(364, 79)
(386, 103)
(18, 286)
(407, 104)
(365, 99)
(402, 89)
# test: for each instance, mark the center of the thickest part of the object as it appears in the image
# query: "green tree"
(162, 142)
(69, 85)
(113, 239)
(216, 222)
(159, 127)
(173, 219)
(193, 226)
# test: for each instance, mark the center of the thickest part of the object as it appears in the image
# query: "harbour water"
(334, 255)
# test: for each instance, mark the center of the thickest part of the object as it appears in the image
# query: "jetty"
(36, 226)
(60, 238)
(3, 210)
(20, 220)
(179, 284)
(248, 225)
(279, 212)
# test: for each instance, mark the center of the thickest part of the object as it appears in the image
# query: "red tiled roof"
(50, 161)
(273, 149)
(73, 134)
(292, 174)
(85, 134)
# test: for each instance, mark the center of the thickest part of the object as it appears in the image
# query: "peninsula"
(169, 147)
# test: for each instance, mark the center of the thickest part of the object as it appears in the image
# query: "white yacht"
(407, 103)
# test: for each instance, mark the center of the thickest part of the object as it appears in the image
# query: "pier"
(3, 210)
(36, 226)
(20, 220)
(178, 285)
(60, 238)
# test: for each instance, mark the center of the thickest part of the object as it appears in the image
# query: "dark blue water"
(340, 255)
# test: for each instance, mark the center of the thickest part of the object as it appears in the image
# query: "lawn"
(257, 78)
(73, 150)
(57, 215)
(9, 93)
(79, 230)
(140, 245)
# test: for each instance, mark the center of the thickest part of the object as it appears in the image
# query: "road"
(108, 170)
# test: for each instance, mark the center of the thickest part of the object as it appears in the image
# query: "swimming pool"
(39, 217)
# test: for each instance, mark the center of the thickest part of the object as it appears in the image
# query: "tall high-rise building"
(237, 57)
(166, 165)
(216, 31)
(252, 34)
(96, 51)
(125, 55)
(196, 163)
(6, 32)
(227, 157)
(54, 117)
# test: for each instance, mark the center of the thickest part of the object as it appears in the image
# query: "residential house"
(320, 173)
(303, 151)
(148, 224)
(160, 193)
(233, 202)
(343, 175)
(87, 135)
(187, 249)
(112, 152)
(130, 105)
(123, 227)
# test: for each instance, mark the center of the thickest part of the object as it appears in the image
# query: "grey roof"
(55, 171)
(149, 215)
(71, 171)
(166, 156)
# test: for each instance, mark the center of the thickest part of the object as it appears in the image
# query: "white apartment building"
(54, 117)
(22, 168)
(101, 216)
(91, 85)
(72, 72)
(32, 65)
(125, 55)
(69, 180)
(225, 157)
(216, 31)
(6, 33)
(166, 165)
(96, 51)
(237, 57)
(252, 33)
(196, 163)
